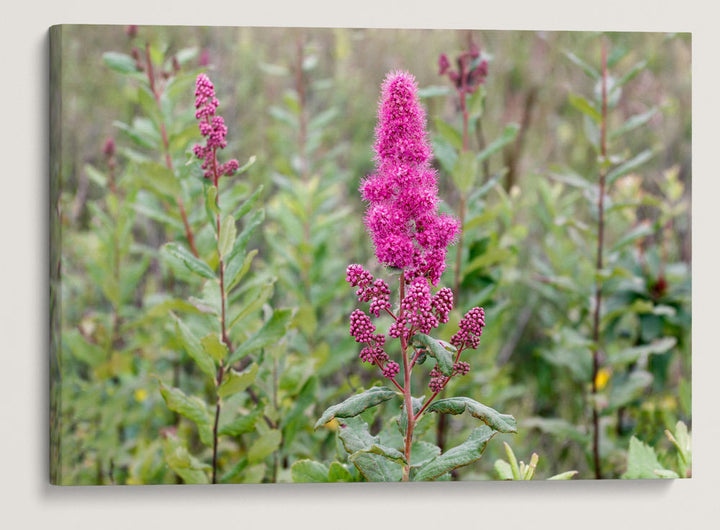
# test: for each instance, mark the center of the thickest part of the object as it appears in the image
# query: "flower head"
(402, 216)
(213, 128)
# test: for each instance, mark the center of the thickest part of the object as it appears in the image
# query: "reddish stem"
(166, 147)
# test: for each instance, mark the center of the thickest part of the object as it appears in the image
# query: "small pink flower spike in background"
(213, 128)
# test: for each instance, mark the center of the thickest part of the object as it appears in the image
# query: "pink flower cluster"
(471, 70)
(471, 326)
(402, 216)
(213, 128)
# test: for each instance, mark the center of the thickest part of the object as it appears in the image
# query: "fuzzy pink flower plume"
(402, 216)
(213, 128)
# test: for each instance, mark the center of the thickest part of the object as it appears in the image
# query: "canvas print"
(368, 255)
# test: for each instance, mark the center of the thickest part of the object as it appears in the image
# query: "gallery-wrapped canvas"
(368, 255)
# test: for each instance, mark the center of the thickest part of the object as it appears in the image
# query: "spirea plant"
(411, 239)
(229, 365)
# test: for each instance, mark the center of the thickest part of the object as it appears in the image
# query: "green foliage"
(142, 364)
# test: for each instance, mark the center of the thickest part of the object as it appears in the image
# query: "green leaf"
(258, 296)
(634, 122)
(193, 264)
(458, 405)
(271, 332)
(635, 70)
(628, 388)
(584, 106)
(632, 235)
(356, 404)
(508, 136)
(338, 473)
(628, 166)
(632, 355)
(214, 347)
(189, 468)
(211, 201)
(228, 233)
(465, 171)
(375, 468)
(309, 471)
(513, 461)
(503, 470)
(449, 133)
(241, 425)
(434, 91)
(264, 446)
(237, 268)
(158, 178)
(192, 408)
(422, 452)
(194, 348)
(238, 381)
(466, 453)
(438, 350)
(247, 205)
(119, 62)
(567, 475)
(642, 461)
(256, 219)
(589, 70)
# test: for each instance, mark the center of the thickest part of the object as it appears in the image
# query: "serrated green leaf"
(157, 177)
(264, 446)
(642, 461)
(271, 332)
(258, 296)
(458, 405)
(438, 350)
(194, 348)
(193, 264)
(192, 408)
(356, 404)
(214, 347)
(235, 382)
(228, 233)
(309, 471)
(422, 452)
(375, 468)
(466, 453)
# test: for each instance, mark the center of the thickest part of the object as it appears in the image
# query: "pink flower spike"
(402, 215)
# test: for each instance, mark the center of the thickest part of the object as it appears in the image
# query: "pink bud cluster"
(375, 291)
(471, 326)
(402, 216)
(471, 70)
(213, 128)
